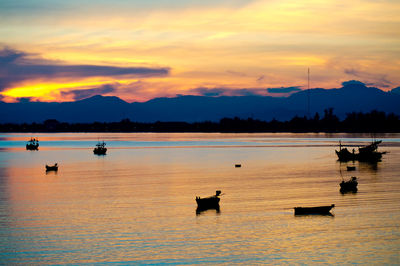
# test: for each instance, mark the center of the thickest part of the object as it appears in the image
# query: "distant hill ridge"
(354, 96)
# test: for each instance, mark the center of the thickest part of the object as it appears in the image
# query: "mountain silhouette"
(354, 96)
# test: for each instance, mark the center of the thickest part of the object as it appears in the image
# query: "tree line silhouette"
(372, 122)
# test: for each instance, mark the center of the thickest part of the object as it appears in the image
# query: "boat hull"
(348, 190)
(100, 151)
(348, 186)
(51, 168)
(207, 203)
(351, 168)
(32, 147)
(313, 210)
(199, 210)
(370, 156)
(344, 155)
(367, 153)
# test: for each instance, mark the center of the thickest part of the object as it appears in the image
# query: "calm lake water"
(136, 205)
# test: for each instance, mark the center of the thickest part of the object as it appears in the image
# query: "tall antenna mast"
(308, 92)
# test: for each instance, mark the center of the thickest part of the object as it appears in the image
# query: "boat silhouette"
(32, 144)
(211, 202)
(313, 210)
(100, 148)
(349, 185)
(52, 167)
(368, 153)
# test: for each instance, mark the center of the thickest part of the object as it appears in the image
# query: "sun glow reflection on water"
(136, 204)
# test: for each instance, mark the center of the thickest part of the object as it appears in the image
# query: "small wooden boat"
(211, 202)
(313, 210)
(100, 148)
(349, 186)
(351, 168)
(33, 144)
(52, 167)
(238, 165)
(344, 155)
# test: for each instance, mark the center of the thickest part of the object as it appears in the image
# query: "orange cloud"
(206, 44)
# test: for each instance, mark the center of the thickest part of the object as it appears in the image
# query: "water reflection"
(348, 192)
(370, 167)
(136, 205)
(362, 166)
(315, 215)
(200, 210)
(51, 172)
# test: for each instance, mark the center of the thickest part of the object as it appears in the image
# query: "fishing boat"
(52, 167)
(313, 210)
(349, 186)
(344, 154)
(368, 153)
(211, 202)
(32, 144)
(351, 168)
(100, 148)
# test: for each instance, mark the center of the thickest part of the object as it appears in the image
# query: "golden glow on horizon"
(52, 91)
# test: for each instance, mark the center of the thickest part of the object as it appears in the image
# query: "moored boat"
(211, 202)
(52, 167)
(369, 156)
(100, 148)
(33, 144)
(349, 186)
(313, 210)
(351, 168)
(344, 155)
(368, 153)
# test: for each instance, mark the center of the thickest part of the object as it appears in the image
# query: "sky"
(138, 50)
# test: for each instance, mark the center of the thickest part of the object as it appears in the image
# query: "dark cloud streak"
(372, 78)
(86, 93)
(261, 78)
(16, 66)
(283, 90)
(215, 92)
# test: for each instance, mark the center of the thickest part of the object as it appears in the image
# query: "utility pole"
(308, 93)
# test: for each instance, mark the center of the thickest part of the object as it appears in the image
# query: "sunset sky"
(138, 50)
